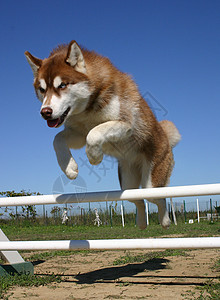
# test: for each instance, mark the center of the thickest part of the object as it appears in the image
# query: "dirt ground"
(93, 276)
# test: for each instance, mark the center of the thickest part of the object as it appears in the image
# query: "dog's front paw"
(94, 154)
(71, 170)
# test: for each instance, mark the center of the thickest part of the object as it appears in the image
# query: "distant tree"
(56, 212)
(28, 211)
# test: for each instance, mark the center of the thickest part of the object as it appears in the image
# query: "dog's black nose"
(46, 112)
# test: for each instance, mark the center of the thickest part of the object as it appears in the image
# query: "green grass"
(50, 254)
(31, 231)
(211, 290)
(7, 282)
(128, 258)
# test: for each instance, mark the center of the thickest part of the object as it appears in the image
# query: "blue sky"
(172, 50)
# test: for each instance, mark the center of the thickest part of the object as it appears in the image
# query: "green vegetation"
(25, 280)
(211, 290)
(32, 231)
(128, 258)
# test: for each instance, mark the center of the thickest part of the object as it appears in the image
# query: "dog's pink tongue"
(53, 123)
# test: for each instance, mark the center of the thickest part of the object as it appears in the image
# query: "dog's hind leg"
(130, 178)
(161, 203)
(162, 212)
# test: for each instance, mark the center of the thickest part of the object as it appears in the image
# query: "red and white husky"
(102, 108)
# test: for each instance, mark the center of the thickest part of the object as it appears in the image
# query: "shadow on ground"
(114, 273)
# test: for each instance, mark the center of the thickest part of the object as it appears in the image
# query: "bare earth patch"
(93, 276)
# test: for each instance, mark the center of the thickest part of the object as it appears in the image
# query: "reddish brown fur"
(149, 136)
(148, 150)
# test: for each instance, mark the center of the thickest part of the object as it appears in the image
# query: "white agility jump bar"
(132, 194)
(116, 244)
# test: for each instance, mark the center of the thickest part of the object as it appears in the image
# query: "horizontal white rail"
(132, 194)
(157, 243)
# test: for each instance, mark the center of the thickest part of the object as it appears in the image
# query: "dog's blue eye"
(62, 85)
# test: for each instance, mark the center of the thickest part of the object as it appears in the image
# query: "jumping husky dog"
(102, 108)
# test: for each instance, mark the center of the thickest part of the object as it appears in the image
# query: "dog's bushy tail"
(171, 131)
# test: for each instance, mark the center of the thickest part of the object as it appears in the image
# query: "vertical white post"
(122, 216)
(173, 211)
(197, 200)
(147, 213)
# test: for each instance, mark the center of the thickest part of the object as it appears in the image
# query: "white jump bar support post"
(132, 194)
(157, 243)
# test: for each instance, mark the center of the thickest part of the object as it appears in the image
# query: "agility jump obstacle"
(132, 194)
(8, 248)
(118, 244)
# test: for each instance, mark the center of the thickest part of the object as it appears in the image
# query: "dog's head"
(61, 83)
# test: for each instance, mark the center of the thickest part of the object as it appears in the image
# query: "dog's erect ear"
(34, 62)
(75, 57)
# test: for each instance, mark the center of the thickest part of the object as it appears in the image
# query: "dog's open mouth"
(57, 122)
